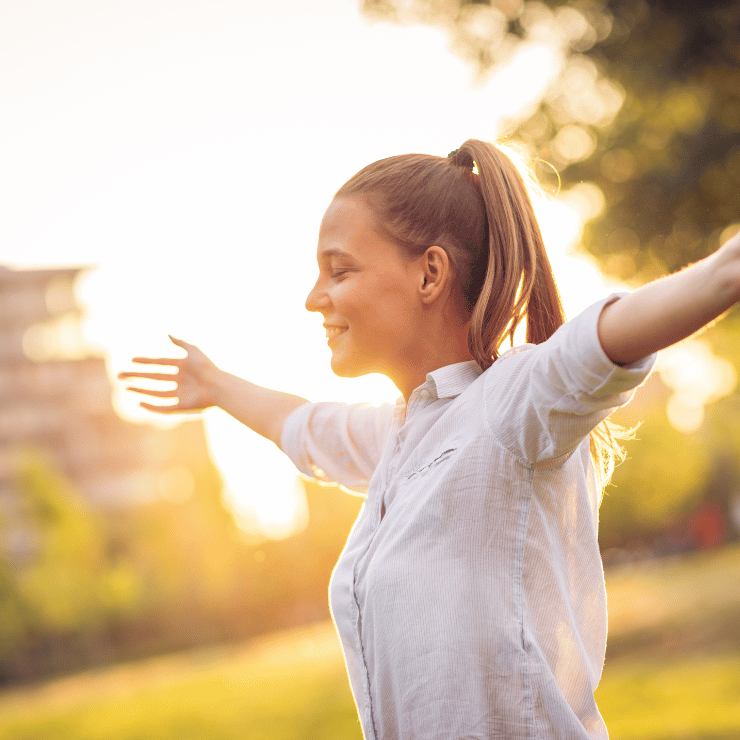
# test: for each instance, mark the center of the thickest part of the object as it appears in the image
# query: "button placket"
(374, 523)
(418, 399)
(392, 463)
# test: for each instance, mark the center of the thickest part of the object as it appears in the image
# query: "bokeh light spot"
(586, 199)
(697, 377)
(729, 232)
(574, 143)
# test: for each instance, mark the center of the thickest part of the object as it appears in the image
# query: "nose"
(316, 298)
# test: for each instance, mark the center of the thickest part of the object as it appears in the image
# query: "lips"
(332, 332)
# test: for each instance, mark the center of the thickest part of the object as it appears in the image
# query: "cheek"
(357, 301)
(344, 297)
(397, 302)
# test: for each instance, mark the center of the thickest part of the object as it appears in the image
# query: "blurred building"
(55, 403)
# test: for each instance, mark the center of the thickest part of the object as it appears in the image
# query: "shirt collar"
(450, 381)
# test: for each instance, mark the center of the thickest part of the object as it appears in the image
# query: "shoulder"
(572, 349)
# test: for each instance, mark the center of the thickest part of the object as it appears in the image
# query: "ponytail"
(518, 281)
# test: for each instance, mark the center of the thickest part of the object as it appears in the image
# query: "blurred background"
(164, 167)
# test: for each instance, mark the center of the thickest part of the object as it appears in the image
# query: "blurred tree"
(655, 488)
(66, 580)
(187, 555)
(83, 586)
(286, 583)
(63, 587)
(15, 616)
(669, 474)
(644, 103)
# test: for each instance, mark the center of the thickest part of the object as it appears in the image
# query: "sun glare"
(191, 162)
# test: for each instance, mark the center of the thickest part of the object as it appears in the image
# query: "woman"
(469, 598)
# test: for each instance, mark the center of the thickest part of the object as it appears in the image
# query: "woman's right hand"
(195, 388)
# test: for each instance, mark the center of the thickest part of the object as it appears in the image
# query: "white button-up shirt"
(469, 598)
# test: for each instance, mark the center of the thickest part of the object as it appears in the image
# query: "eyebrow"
(329, 253)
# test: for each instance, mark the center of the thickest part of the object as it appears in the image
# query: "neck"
(429, 355)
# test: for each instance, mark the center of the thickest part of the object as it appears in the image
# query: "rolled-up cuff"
(611, 379)
(290, 439)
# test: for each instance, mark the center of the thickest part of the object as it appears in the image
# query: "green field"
(672, 671)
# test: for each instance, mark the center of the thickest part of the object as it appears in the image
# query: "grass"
(672, 699)
(290, 686)
(672, 672)
(673, 657)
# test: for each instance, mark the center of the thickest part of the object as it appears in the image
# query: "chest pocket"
(430, 467)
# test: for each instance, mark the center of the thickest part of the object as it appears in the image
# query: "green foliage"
(654, 486)
(68, 584)
(668, 474)
(677, 134)
(647, 107)
(15, 614)
(88, 580)
(96, 585)
(63, 584)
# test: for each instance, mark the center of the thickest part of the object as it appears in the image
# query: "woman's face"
(366, 291)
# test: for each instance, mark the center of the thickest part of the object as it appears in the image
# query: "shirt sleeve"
(337, 442)
(542, 400)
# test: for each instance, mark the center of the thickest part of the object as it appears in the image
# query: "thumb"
(179, 342)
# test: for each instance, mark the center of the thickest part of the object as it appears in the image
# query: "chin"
(344, 368)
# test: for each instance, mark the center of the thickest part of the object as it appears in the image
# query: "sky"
(186, 151)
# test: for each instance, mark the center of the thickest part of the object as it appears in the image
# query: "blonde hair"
(475, 204)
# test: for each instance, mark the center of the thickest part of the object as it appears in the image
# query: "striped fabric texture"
(469, 599)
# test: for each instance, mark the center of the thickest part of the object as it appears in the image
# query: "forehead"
(348, 229)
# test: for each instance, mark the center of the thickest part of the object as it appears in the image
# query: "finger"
(170, 361)
(148, 376)
(157, 394)
(163, 409)
(179, 342)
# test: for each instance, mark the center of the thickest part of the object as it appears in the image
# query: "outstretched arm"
(672, 308)
(199, 385)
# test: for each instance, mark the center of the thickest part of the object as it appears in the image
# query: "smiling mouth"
(332, 332)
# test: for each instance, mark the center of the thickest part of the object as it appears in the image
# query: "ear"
(436, 273)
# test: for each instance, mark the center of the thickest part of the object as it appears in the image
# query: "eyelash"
(339, 273)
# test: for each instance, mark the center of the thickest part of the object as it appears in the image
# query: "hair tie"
(464, 159)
